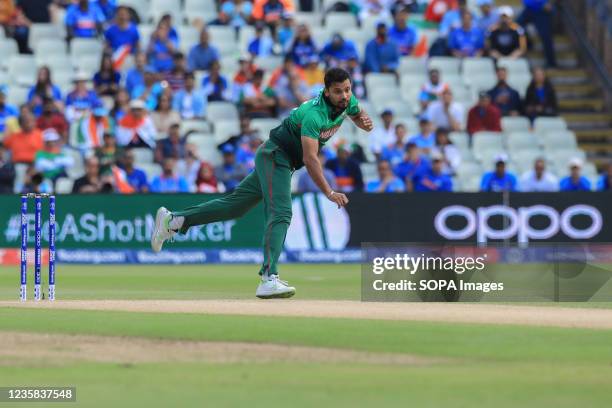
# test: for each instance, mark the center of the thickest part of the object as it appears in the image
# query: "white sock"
(176, 222)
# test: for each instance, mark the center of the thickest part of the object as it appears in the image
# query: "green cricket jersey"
(313, 119)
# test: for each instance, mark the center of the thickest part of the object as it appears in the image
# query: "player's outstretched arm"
(310, 147)
(362, 121)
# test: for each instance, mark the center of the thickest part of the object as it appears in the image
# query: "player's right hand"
(338, 198)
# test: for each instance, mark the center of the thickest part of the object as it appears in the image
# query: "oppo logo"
(517, 222)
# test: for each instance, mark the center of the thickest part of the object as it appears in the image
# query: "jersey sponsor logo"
(326, 134)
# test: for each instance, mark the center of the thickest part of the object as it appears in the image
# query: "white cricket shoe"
(162, 231)
(271, 287)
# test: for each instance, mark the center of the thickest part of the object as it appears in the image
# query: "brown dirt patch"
(53, 349)
(435, 312)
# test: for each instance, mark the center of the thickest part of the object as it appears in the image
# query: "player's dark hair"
(335, 75)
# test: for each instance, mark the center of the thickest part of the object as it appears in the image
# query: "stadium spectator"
(256, 100)
(453, 18)
(286, 32)
(206, 182)
(173, 146)
(394, 152)
(215, 86)
(176, 77)
(7, 112)
(303, 46)
(287, 83)
(109, 154)
(381, 54)
(7, 172)
(108, 8)
(541, 98)
(489, 15)
(467, 40)
(432, 89)
(202, 55)
(34, 182)
(387, 182)
(273, 10)
(605, 179)
(346, 170)
(504, 97)
(434, 179)
(150, 91)
(261, 45)
(436, 9)
(122, 37)
(307, 185)
(412, 165)
(80, 100)
(539, 12)
(446, 113)
(52, 119)
(24, 144)
(91, 182)
(168, 182)
(163, 44)
(36, 11)
(83, 20)
(259, 11)
(189, 166)
(402, 34)
(575, 181)
(451, 156)
(236, 13)
(136, 129)
(230, 172)
(507, 39)
(121, 105)
(357, 78)
(246, 131)
(498, 180)
(338, 51)
(539, 180)
(44, 88)
(314, 76)
(135, 76)
(484, 116)
(90, 129)
(51, 161)
(425, 140)
(164, 116)
(16, 23)
(106, 80)
(378, 9)
(136, 177)
(190, 102)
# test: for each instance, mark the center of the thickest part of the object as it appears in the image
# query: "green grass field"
(462, 365)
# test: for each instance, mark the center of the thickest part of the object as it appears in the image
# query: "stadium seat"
(545, 125)
(22, 69)
(524, 159)
(195, 125)
(368, 171)
(368, 23)
(221, 33)
(188, 37)
(520, 83)
(8, 48)
(380, 80)
(200, 17)
(486, 144)
(521, 140)
(207, 149)
(158, 8)
(78, 168)
(412, 65)
(477, 66)
(89, 64)
(40, 31)
(85, 46)
(246, 34)
(515, 124)
(401, 109)
(468, 169)
(460, 139)
(53, 46)
(224, 129)
(222, 111)
(17, 95)
(559, 140)
(322, 35)
(199, 5)
(515, 66)
(446, 65)
(63, 185)
(268, 64)
(141, 7)
(562, 157)
(345, 20)
(227, 46)
(152, 170)
(357, 35)
(145, 31)
(143, 155)
(20, 173)
(309, 18)
(264, 126)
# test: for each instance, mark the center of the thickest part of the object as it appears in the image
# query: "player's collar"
(330, 108)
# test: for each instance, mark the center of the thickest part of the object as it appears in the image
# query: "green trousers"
(270, 181)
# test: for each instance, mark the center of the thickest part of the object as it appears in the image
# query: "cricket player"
(293, 144)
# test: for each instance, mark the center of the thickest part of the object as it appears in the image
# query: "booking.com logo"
(517, 222)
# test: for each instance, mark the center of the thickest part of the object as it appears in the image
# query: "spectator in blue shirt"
(230, 172)
(467, 40)
(539, 12)
(489, 15)
(80, 100)
(346, 169)
(387, 182)
(575, 181)
(44, 88)
(435, 179)
(122, 37)
(413, 165)
(605, 180)
(402, 34)
(381, 54)
(425, 139)
(107, 7)
(189, 102)
(6, 111)
(452, 18)
(236, 13)
(498, 180)
(394, 153)
(338, 51)
(303, 48)
(202, 55)
(162, 45)
(168, 182)
(83, 20)
(135, 176)
(262, 45)
(135, 76)
(215, 86)
(150, 90)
